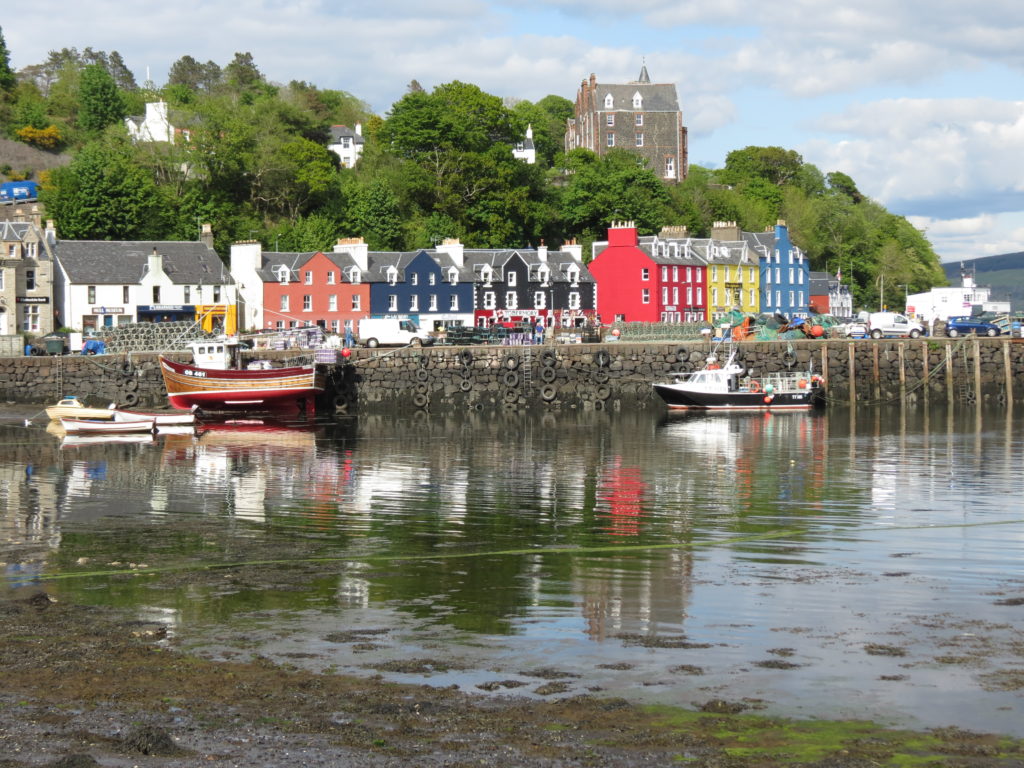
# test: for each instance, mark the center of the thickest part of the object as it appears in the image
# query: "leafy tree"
(194, 76)
(123, 77)
(100, 102)
(7, 78)
(610, 187)
(290, 175)
(103, 195)
(376, 216)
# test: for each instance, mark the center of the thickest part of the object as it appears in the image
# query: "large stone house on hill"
(641, 117)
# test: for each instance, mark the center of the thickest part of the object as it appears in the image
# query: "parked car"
(890, 324)
(959, 325)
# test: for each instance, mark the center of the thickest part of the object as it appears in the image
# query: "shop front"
(166, 313)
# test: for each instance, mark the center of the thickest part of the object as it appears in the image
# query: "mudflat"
(85, 686)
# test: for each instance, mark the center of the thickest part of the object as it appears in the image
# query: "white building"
(956, 301)
(525, 150)
(347, 144)
(154, 125)
(100, 284)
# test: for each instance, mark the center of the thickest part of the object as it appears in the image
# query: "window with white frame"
(392, 276)
(510, 278)
(750, 274)
(675, 274)
(664, 273)
(414, 303)
(664, 294)
(609, 101)
(30, 320)
(285, 303)
(280, 325)
(538, 299)
(414, 278)
(574, 276)
(768, 276)
(487, 274)
(332, 303)
(511, 300)
(800, 277)
(675, 294)
(307, 303)
(714, 296)
(330, 277)
(392, 302)
(453, 303)
(639, 139)
(791, 297)
(354, 275)
(645, 295)
(335, 326)
(357, 302)
(453, 275)
(490, 300)
(187, 292)
(778, 274)
(432, 278)
(800, 297)
(645, 273)
(12, 251)
(609, 120)
(791, 276)
(33, 249)
(700, 296)
(638, 101)
(90, 294)
(433, 303)
(670, 166)
(639, 119)
(751, 301)
(778, 298)
(610, 140)
(544, 273)
(689, 296)
(1, 279)
(282, 275)
(309, 277)
(574, 299)
(714, 272)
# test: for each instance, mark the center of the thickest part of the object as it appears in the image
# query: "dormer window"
(544, 273)
(574, 275)
(282, 275)
(392, 275)
(453, 275)
(638, 101)
(609, 101)
(488, 275)
(354, 275)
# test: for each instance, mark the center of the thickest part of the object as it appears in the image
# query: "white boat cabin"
(216, 354)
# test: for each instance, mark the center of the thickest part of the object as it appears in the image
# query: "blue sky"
(920, 101)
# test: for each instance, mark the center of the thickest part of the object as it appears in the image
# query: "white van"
(375, 331)
(889, 324)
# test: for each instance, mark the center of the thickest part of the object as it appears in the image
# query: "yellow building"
(733, 272)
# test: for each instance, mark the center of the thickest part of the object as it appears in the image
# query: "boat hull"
(274, 389)
(94, 427)
(678, 399)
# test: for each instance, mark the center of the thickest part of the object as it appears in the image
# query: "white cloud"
(930, 151)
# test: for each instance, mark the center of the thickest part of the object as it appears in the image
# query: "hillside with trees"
(439, 164)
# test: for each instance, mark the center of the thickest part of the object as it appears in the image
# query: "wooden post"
(1008, 372)
(926, 385)
(903, 375)
(977, 370)
(853, 374)
(877, 382)
(949, 374)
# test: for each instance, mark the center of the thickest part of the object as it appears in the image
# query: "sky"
(919, 101)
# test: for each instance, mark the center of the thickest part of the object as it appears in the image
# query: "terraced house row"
(47, 283)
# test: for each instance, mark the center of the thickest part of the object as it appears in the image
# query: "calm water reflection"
(840, 564)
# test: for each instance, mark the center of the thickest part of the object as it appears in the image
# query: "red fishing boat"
(212, 383)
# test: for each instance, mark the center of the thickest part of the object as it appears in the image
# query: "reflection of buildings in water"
(620, 499)
(30, 508)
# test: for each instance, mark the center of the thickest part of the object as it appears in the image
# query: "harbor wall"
(572, 376)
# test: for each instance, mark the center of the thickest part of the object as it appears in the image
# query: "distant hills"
(1004, 274)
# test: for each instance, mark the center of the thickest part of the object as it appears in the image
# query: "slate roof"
(657, 97)
(818, 283)
(17, 231)
(338, 132)
(103, 262)
(689, 250)
(761, 243)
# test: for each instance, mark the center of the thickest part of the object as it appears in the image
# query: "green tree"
(194, 76)
(611, 187)
(100, 102)
(376, 216)
(103, 195)
(123, 77)
(7, 78)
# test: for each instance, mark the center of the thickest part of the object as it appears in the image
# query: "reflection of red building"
(620, 499)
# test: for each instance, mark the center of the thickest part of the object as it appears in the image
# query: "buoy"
(802, 383)
(755, 386)
(346, 352)
(767, 399)
(616, 332)
(769, 389)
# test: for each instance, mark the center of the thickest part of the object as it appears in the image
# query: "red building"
(328, 290)
(661, 279)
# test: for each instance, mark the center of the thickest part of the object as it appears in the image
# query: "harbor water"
(840, 564)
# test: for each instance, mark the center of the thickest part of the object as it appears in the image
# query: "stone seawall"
(575, 376)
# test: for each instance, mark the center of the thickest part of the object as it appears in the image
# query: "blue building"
(785, 273)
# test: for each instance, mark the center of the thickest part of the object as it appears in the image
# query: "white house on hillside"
(347, 144)
(154, 125)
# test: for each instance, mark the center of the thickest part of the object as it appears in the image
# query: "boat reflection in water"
(262, 465)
